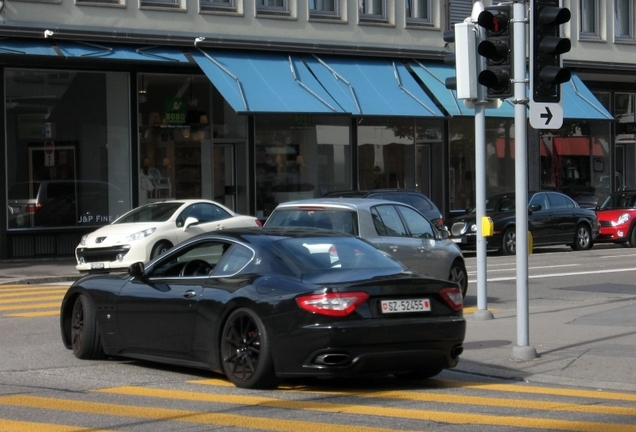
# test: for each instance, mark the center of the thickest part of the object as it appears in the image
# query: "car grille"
(459, 228)
(108, 254)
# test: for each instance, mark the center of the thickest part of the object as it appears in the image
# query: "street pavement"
(576, 343)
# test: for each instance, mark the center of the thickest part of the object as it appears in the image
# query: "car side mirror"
(189, 222)
(136, 269)
(534, 208)
(442, 234)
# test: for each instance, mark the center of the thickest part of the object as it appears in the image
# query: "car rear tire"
(458, 274)
(509, 242)
(86, 340)
(246, 357)
(159, 249)
(582, 238)
(632, 236)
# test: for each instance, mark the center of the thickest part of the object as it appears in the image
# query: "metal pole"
(523, 350)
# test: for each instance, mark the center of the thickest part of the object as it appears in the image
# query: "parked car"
(553, 218)
(263, 304)
(617, 218)
(398, 229)
(411, 197)
(148, 231)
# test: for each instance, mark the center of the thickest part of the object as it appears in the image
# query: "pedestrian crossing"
(348, 405)
(29, 301)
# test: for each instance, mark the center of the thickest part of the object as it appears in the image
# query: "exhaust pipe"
(332, 359)
(457, 351)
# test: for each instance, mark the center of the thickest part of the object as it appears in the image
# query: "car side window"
(208, 251)
(387, 221)
(233, 260)
(540, 199)
(203, 212)
(558, 201)
(417, 224)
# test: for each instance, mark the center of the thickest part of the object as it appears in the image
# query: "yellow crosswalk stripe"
(30, 306)
(165, 414)
(453, 417)
(21, 293)
(32, 300)
(34, 314)
(24, 426)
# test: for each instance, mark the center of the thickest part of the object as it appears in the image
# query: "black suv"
(411, 197)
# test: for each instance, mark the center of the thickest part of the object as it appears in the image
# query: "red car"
(617, 217)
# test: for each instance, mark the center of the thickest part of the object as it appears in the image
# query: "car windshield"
(499, 203)
(159, 212)
(338, 220)
(320, 254)
(620, 201)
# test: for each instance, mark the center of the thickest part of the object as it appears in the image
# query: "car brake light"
(258, 222)
(311, 208)
(332, 304)
(453, 297)
(32, 208)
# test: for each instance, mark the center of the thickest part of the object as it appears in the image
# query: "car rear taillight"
(258, 223)
(453, 297)
(32, 207)
(332, 304)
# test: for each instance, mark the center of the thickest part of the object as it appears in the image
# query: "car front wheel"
(85, 338)
(509, 242)
(583, 238)
(159, 249)
(246, 356)
(632, 237)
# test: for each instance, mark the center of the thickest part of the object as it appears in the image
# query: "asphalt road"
(43, 387)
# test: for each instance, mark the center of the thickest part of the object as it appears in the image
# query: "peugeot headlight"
(622, 219)
(83, 240)
(139, 235)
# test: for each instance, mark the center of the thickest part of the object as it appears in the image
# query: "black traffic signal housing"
(497, 47)
(546, 70)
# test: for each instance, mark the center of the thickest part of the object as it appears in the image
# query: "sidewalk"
(581, 344)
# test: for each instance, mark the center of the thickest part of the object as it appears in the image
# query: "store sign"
(625, 128)
(175, 111)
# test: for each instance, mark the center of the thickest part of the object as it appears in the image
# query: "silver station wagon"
(398, 229)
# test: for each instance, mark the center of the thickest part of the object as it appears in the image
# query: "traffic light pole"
(523, 350)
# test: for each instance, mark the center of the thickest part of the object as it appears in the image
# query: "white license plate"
(404, 306)
(97, 265)
(456, 240)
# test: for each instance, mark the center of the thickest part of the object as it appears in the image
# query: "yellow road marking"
(24, 426)
(21, 293)
(22, 288)
(31, 306)
(35, 314)
(32, 300)
(453, 417)
(473, 309)
(164, 414)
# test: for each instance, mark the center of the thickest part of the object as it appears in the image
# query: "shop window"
(300, 156)
(71, 153)
(624, 20)
(419, 12)
(589, 19)
(218, 6)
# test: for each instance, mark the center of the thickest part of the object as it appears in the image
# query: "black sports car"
(262, 304)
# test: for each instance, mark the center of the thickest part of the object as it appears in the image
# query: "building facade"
(109, 104)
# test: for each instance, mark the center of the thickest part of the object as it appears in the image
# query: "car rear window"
(312, 254)
(337, 220)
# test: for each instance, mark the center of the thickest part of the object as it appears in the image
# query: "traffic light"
(497, 47)
(547, 45)
(464, 59)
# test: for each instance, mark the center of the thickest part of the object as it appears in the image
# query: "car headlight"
(622, 219)
(83, 240)
(139, 235)
(473, 228)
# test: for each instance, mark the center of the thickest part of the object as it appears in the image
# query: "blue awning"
(372, 87)
(25, 46)
(265, 82)
(578, 100)
(121, 52)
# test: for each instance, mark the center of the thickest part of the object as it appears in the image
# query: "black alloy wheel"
(85, 338)
(458, 274)
(247, 360)
(632, 236)
(582, 238)
(509, 242)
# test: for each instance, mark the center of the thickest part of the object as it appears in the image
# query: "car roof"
(345, 203)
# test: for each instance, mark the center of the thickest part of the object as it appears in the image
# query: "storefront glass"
(188, 141)
(300, 156)
(68, 148)
(386, 153)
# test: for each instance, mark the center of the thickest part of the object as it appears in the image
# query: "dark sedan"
(263, 304)
(553, 219)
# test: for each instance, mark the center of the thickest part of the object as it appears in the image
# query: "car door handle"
(421, 248)
(393, 248)
(189, 293)
(220, 227)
